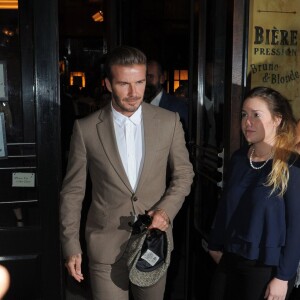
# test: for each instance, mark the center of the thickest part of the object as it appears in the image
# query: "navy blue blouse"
(254, 224)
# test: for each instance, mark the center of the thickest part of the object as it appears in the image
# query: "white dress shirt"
(130, 140)
(156, 99)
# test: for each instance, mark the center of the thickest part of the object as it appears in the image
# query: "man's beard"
(121, 103)
(150, 92)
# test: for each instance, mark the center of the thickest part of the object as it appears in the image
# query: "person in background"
(127, 161)
(182, 92)
(156, 95)
(255, 236)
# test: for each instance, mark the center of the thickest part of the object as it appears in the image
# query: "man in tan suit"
(127, 147)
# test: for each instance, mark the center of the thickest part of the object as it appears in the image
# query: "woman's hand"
(276, 289)
(216, 255)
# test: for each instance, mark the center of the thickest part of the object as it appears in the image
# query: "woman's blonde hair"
(285, 136)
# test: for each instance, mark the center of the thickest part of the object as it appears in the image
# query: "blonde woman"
(255, 236)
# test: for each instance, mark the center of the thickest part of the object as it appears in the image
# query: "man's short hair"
(125, 56)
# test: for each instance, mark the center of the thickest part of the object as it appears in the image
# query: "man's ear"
(108, 85)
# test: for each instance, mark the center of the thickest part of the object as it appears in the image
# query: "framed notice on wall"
(274, 47)
(3, 148)
(3, 82)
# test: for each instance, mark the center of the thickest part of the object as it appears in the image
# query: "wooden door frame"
(238, 78)
(46, 74)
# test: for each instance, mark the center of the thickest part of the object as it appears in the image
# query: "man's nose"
(132, 90)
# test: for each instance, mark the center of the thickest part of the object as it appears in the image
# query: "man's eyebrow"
(121, 81)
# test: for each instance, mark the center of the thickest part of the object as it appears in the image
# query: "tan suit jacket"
(94, 149)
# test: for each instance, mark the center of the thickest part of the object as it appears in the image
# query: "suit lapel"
(151, 126)
(107, 138)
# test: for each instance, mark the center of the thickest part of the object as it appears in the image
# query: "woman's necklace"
(251, 162)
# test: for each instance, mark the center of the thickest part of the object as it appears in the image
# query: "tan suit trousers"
(111, 282)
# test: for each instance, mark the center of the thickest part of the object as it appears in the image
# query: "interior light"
(98, 16)
(9, 4)
(7, 32)
(77, 78)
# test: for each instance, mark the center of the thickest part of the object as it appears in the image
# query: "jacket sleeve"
(181, 173)
(290, 254)
(72, 194)
(218, 230)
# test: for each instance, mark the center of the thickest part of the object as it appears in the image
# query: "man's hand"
(73, 264)
(160, 219)
(276, 289)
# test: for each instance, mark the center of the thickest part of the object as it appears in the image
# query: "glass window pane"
(176, 75)
(18, 196)
(184, 75)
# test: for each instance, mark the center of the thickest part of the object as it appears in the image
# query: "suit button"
(134, 198)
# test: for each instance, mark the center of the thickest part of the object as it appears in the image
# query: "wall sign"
(273, 47)
(23, 179)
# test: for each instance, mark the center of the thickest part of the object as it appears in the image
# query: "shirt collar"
(157, 98)
(120, 119)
